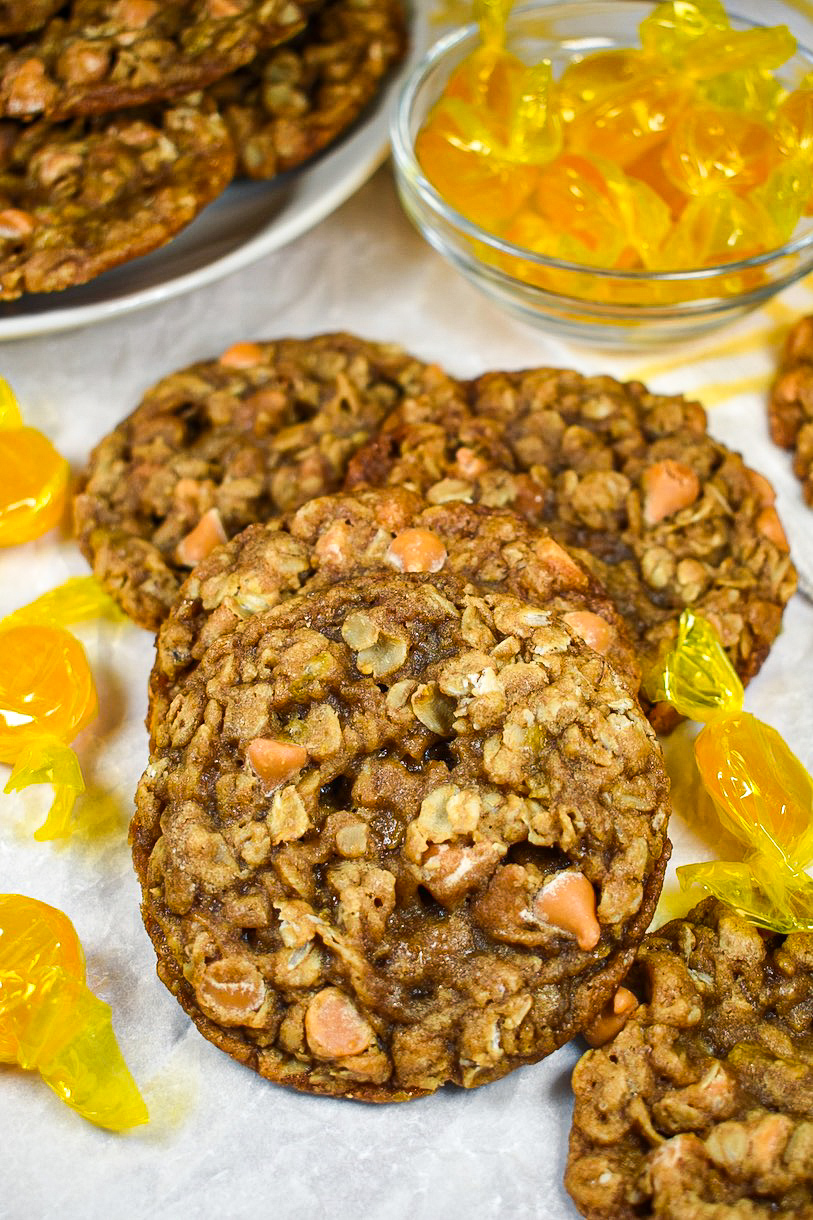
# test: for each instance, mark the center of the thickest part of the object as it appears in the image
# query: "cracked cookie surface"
(228, 442)
(790, 409)
(702, 1106)
(395, 833)
(664, 514)
(290, 104)
(79, 198)
(102, 55)
(334, 537)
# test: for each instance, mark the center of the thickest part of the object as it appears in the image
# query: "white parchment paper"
(222, 1142)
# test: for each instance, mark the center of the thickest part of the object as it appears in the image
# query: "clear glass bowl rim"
(407, 162)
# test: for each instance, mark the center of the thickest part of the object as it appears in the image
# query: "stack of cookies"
(404, 820)
(121, 119)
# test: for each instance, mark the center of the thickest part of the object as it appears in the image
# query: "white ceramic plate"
(249, 220)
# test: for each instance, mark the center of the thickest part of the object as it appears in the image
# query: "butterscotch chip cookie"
(791, 403)
(703, 1105)
(666, 516)
(394, 833)
(102, 55)
(289, 104)
(334, 537)
(20, 16)
(228, 442)
(79, 198)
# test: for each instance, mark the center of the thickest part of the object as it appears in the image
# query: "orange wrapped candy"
(47, 694)
(762, 793)
(33, 477)
(685, 152)
(52, 1023)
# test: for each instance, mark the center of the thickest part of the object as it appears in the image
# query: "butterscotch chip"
(242, 355)
(569, 904)
(388, 529)
(290, 103)
(668, 487)
(102, 55)
(417, 550)
(703, 1104)
(201, 539)
(662, 513)
(612, 1018)
(388, 915)
(253, 434)
(791, 403)
(274, 761)
(79, 198)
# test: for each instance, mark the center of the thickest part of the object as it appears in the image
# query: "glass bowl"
(607, 308)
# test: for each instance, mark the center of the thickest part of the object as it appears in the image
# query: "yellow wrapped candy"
(762, 793)
(682, 153)
(47, 694)
(52, 1023)
(34, 482)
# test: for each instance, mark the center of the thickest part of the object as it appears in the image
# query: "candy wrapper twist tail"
(47, 694)
(762, 793)
(51, 1022)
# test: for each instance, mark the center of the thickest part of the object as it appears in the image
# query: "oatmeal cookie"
(702, 1106)
(228, 442)
(21, 16)
(665, 515)
(334, 537)
(102, 55)
(395, 833)
(288, 105)
(791, 404)
(79, 198)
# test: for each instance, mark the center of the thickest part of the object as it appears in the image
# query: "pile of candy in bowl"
(615, 154)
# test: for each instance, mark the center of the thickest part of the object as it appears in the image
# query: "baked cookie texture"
(395, 833)
(791, 404)
(335, 537)
(252, 434)
(79, 198)
(702, 1107)
(102, 55)
(80, 193)
(20, 16)
(289, 104)
(665, 515)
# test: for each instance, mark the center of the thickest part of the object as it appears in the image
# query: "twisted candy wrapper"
(34, 484)
(762, 793)
(499, 106)
(52, 1023)
(47, 694)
